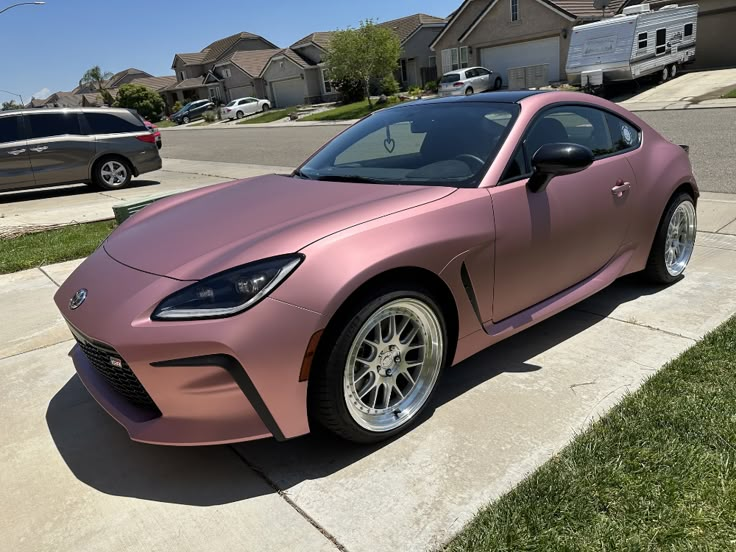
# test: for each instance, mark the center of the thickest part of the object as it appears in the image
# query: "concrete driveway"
(72, 481)
(690, 90)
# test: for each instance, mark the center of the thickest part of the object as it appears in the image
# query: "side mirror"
(557, 160)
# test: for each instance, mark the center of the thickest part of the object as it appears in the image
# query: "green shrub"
(415, 91)
(177, 106)
(209, 116)
(389, 85)
(351, 90)
(431, 86)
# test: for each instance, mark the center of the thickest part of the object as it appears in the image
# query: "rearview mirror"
(557, 160)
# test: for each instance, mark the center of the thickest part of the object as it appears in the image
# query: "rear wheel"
(185, 120)
(111, 174)
(239, 115)
(378, 374)
(469, 91)
(673, 71)
(674, 242)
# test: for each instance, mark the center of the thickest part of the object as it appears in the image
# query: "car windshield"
(431, 144)
(452, 77)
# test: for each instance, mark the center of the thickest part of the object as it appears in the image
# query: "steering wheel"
(476, 163)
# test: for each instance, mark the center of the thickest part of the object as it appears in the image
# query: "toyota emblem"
(78, 299)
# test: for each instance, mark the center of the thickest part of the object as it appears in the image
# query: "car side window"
(112, 123)
(9, 129)
(517, 168)
(625, 136)
(46, 125)
(586, 126)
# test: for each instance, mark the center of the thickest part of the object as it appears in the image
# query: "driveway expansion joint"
(288, 500)
(57, 284)
(635, 323)
(42, 347)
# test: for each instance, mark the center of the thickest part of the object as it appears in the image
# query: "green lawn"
(270, 116)
(731, 94)
(52, 246)
(165, 124)
(349, 111)
(657, 473)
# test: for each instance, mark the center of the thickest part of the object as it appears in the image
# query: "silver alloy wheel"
(468, 91)
(114, 173)
(680, 242)
(239, 115)
(393, 365)
(665, 74)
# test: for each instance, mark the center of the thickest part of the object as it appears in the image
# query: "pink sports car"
(338, 294)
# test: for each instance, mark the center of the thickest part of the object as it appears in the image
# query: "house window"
(326, 82)
(514, 10)
(182, 76)
(464, 57)
(661, 41)
(642, 41)
(689, 29)
(432, 61)
(404, 72)
(226, 73)
(454, 59)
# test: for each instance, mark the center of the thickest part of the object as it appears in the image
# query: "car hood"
(196, 234)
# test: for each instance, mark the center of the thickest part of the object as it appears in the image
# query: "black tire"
(99, 179)
(497, 83)
(673, 71)
(665, 74)
(239, 115)
(186, 120)
(656, 269)
(469, 91)
(265, 108)
(326, 399)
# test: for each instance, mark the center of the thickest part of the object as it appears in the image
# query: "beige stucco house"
(505, 34)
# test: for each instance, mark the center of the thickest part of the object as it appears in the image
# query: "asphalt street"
(710, 133)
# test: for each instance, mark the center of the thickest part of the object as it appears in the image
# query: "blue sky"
(48, 48)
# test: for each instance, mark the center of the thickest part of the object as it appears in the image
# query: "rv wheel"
(665, 74)
(673, 71)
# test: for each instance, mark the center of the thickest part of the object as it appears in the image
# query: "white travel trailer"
(634, 44)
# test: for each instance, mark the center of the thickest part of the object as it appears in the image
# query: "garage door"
(500, 59)
(288, 92)
(241, 92)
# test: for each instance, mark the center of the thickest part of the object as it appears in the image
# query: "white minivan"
(466, 82)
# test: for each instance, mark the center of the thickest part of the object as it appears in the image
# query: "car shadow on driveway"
(19, 196)
(97, 450)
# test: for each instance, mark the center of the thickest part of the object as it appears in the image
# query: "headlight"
(227, 293)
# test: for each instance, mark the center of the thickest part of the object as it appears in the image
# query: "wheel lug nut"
(397, 359)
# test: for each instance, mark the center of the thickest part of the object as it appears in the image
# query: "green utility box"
(123, 211)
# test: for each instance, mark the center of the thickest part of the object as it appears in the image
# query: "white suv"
(466, 82)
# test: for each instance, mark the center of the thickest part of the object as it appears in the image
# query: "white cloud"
(42, 94)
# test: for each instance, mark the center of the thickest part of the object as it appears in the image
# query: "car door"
(58, 150)
(15, 162)
(251, 105)
(549, 241)
(484, 75)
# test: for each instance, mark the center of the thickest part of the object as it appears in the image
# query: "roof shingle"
(406, 26)
(218, 48)
(320, 39)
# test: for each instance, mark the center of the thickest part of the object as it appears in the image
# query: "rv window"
(642, 41)
(661, 41)
(689, 29)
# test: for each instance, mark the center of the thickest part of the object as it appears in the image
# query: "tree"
(364, 54)
(12, 104)
(95, 78)
(145, 101)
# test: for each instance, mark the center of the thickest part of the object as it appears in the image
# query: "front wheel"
(497, 83)
(265, 108)
(673, 71)
(378, 374)
(665, 74)
(185, 120)
(674, 242)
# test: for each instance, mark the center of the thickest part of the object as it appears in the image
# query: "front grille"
(116, 372)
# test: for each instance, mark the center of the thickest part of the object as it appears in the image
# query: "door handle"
(16, 152)
(621, 188)
(39, 149)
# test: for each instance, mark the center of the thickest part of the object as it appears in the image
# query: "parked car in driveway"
(237, 109)
(337, 295)
(191, 111)
(49, 147)
(466, 82)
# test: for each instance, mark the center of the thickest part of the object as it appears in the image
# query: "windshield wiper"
(349, 178)
(300, 174)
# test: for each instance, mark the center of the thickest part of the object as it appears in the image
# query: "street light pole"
(14, 94)
(22, 4)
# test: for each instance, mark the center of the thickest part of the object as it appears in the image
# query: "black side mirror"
(557, 160)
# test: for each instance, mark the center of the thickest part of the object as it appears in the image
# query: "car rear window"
(450, 78)
(44, 125)
(113, 123)
(9, 131)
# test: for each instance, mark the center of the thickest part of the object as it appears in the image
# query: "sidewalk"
(69, 469)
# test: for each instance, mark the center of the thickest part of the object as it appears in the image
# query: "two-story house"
(212, 74)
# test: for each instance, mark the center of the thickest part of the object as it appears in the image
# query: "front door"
(15, 163)
(59, 152)
(547, 242)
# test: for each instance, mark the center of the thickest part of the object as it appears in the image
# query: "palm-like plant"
(95, 78)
